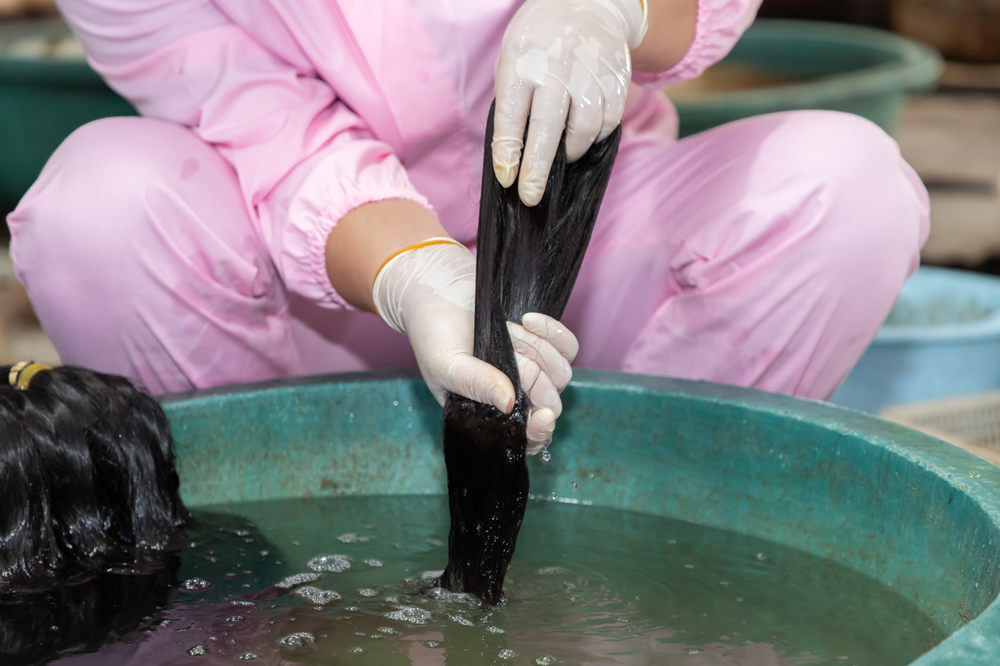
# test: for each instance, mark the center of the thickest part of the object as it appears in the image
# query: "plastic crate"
(970, 422)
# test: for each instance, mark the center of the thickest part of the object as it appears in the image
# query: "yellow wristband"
(416, 246)
(21, 373)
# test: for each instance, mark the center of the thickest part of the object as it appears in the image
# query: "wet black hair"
(528, 258)
(44, 624)
(87, 479)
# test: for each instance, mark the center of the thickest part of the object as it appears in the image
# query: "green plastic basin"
(905, 509)
(860, 70)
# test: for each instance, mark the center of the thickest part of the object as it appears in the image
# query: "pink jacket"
(323, 106)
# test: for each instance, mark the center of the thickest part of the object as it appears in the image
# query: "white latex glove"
(428, 293)
(568, 64)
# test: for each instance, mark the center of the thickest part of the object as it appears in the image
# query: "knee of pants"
(87, 205)
(865, 210)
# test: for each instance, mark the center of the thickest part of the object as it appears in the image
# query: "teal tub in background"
(856, 69)
(941, 340)
(905, 509)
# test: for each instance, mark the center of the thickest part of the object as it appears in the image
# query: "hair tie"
(23, 372)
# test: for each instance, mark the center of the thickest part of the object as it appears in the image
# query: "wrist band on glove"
(438, 240)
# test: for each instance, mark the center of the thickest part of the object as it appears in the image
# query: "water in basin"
(339, 580)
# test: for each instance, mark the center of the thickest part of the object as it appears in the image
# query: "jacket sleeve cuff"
(719, 25)
(338, 181)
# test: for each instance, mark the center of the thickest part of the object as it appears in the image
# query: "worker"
(299, 167)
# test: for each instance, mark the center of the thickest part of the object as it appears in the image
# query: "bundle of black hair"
(87, 478)
(527, 261)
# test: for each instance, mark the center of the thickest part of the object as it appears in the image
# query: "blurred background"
(927, 71)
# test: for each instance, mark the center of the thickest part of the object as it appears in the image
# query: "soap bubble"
(334, 563)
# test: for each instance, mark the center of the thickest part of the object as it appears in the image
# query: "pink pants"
(762, 253)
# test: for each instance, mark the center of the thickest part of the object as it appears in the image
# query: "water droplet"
(506, 654)
(357, 650)
(761, 556)
(197, 651)
(395, 403)
(248, 656)
(495, 630)
(553, 496)
(195, 585)
(331, 562)
(410, 614)
(373, 563)
(316, 596)
(241, 533)
(233, 619)
(576, 485)
(546, 454)
(296, 579)
(298, 639)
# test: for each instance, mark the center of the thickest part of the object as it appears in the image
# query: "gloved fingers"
(541, 352)
(541, 425)
(510, 117)
(480, 381)
(538, 387)
(549, 109)
(554, 331)
(614, 91)
(586, 114)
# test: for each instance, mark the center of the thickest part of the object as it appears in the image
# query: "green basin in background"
(842, 67)
(908, 510)
(847, 68)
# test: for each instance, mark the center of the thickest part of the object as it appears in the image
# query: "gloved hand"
(567, 62)
(428, 293)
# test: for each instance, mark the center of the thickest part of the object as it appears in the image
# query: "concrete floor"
(951, 138)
